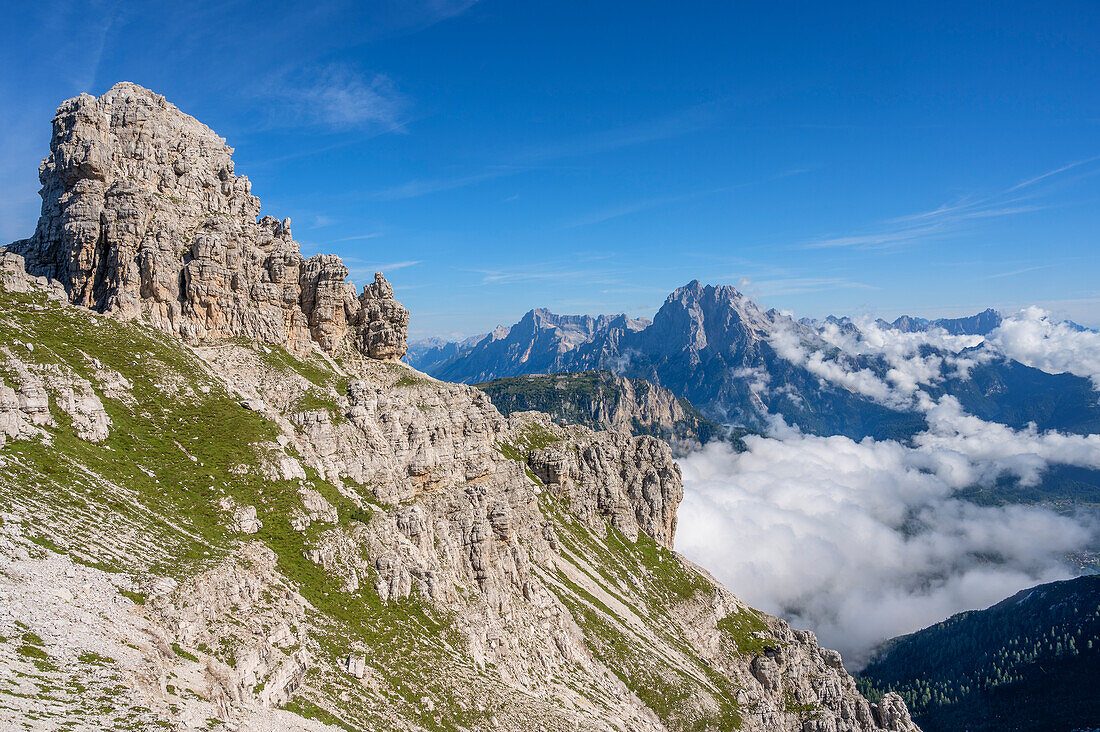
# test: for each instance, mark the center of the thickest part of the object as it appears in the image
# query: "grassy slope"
(146, 501)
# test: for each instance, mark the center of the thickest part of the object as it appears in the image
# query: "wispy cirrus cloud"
(592, 269)
(321, 221)
(336, 96)
(368, 264)
(360, 237)
(411, 16)
(935, 224)
(363, 271)
(949, 219)
(627, 209)
(423, 187)
(801, 285)
(647, 131)
(507, 277)
(1013, 273)
(675, 124)
(1051, 173)
(397, 265)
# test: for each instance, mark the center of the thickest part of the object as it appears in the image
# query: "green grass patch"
(313, 369)
(527, 438)
(93, 658)
(665, 689)
(28, 650)
(805, 712)
(184, 654)
(312, 401)
(33, 638)
(743, 627)
(309, 710)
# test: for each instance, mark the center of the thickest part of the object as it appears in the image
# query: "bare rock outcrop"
(631, 481)
(603, 400)
(25, 408)
(143, 216)
(383, 322)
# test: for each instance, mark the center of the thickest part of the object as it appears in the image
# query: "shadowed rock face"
(144, 217)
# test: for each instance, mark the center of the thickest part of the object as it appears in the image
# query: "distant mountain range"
(738, 364)
(540, 343)
(1031, 662)
(981, 324)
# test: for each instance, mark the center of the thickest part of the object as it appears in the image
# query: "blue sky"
(493, 157)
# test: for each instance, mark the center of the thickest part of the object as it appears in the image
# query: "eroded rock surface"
(143, 216)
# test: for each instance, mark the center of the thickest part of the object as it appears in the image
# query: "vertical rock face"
(328, 301)
(383, 322)
(143, 216)
(637, 484)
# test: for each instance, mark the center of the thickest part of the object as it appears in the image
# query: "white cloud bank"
(863, 541)
(924, 358)
(1033, 339)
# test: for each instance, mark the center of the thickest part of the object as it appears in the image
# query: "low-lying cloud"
(863, 541)
(788, 343)
(909, 361)
(1034, 339)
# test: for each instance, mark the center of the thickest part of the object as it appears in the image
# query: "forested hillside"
(1030, 662)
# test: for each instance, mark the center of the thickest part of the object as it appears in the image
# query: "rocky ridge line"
(602, 400)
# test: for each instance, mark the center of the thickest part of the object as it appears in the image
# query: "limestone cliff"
(230, 534)
(143, 216)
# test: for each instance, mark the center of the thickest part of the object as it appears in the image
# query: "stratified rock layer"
(143, 216)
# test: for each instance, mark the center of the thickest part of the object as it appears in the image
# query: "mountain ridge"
(708, 344)
(601, 400)
(742, 366)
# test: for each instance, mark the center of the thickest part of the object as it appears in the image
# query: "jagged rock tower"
(143, 217)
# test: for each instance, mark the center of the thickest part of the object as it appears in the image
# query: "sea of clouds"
(863, 541)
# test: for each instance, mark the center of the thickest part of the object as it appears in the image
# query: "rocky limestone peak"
(144, 217)
(573, 330)
(696, 317)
